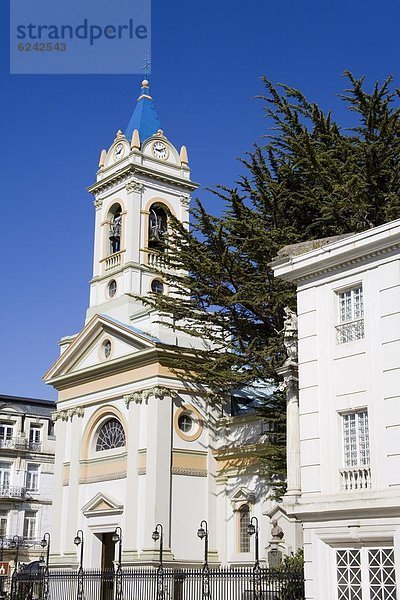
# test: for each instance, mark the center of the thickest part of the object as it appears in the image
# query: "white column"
(290, 378)
(57, 530)
(157, 505)
(130, 529)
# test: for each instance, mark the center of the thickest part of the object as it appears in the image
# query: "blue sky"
(207, 58)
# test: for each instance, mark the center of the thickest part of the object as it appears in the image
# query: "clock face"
(160, 150)
(119, 151)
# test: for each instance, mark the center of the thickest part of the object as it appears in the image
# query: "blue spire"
(144, 118)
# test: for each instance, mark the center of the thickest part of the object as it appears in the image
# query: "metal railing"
(177, 584)
(20, 443)
(12, 491)
(350, 331)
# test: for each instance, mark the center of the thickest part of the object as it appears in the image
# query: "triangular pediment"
(88, 349)
(102, 504)
(242, 495)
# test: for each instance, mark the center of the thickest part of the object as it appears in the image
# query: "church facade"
(136, 445)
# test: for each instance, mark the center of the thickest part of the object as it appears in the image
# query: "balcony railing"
(23, 542)
(355, 479)
(350, 332)
(20, 443)
(156, 260)
(113, 261)
(12, 491)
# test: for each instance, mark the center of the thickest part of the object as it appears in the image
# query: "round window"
(112, 288)
(185, 423)
(107, 349)
(157, 286)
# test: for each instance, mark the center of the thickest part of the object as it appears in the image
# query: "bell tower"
(141, 177)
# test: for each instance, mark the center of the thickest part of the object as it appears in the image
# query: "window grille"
(366, 574)
(111, 435)
(351, 315)
(244, 521)
(356, 439)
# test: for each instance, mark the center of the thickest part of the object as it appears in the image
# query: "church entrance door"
(107, 566)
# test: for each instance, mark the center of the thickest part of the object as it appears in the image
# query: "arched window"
(158, 226)
(115, 229)
(111, 435)
(243, 523)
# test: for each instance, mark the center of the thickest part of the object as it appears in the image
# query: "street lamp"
(1, 560)
(15, 544)
(202, 533)
(79, 541)
(45, 543)
(158, 534)
(252, 529)
(117, 539)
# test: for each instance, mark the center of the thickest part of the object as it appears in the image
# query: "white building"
(136, 444)
(344, 426)
(27, 446)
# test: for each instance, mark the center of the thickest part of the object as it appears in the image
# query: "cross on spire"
(147, 64)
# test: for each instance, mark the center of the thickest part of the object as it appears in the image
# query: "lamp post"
(117, 539)
(202, 533)
(252, 529)
(1, 560)
(79, 541)
(158, 534)
(14, 544)
(45, 543)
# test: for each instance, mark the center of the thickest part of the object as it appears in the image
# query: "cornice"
(349, 252)
(133, 169)
(119, 365)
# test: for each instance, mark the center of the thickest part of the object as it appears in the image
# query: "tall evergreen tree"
(312, 179)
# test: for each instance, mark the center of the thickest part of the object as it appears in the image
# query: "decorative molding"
(189, 472)
(110, 179)
(142, 471)
(134, 185)
(98, 202)
(185, 199)
(64, 415)
(106, 477)
(143, 395)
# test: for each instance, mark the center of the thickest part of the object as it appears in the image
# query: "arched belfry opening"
(115, 230)
(158, 227)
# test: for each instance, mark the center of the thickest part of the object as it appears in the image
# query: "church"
(137, 446)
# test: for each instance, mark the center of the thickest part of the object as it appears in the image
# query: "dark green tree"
(311, 179)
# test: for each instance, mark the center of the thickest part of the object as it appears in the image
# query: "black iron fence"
(135, 583)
